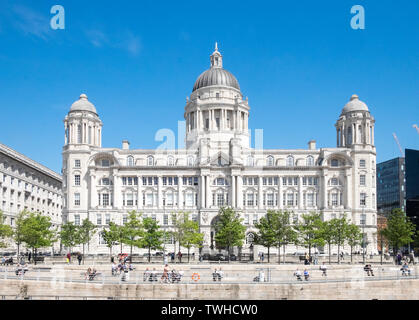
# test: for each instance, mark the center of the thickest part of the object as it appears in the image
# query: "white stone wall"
(26, 184)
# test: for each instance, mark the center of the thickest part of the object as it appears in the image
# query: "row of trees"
(146, 233)
(276, 230)
(273, 230)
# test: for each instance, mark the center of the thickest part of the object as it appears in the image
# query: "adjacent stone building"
(26, 184)
(219, 168)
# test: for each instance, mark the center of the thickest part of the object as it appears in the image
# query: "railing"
(206, 276)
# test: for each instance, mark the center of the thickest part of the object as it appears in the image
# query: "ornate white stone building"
(26, 184)
(218, 167)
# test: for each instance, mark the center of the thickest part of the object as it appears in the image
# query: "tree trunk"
(34, 255)
(110, 252)
(330, 254)
(188, 253)
(18, 246)
(83, 253)
(351, 255)
(338, 253)
(283, 253)
(149, 254)
(228, 253)
(279, 253)
(268, 253)
(309, 251)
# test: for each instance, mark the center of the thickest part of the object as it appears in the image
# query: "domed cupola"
(83, 104)
(355, 125)
(354, 105)
(216, 75)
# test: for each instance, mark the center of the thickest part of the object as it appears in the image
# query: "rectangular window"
(363, 219)
(77, 219)
(246, 219)
(250, 199)
(149, 199)
(99, 219)
(77, 199)
(362, 180)
(124, 219)
(362, 163)
(255, 219)
(165, 219)
(77, 163)
(105, 199)
(334, 199)
(220, 199)
(130, 199)
(290, 199)
(310, 199)
(363, 199)
(107, 218)
(77, 180)
(270, 199)
(189, 199)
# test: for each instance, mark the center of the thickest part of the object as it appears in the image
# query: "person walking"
(29, 256)
(323, 268)
(79, 258)
(68, 258)
(262, 257)
(179, 255)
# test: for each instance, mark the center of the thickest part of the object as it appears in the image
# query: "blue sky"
(297, 61)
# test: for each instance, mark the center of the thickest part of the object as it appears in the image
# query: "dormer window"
(290, 161)
(130, 161)
(105, 163)
(270, 161)
(334, 163)
(150, 161)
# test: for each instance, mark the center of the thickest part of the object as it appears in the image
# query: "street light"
(363, 228)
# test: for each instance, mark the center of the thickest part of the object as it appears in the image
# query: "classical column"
(324, 189)
(233, 191)
(348, 189)
(93, 195)
(180, 192)
(260, 196)
(280, 200)
(202, 192)
(208, 191)
(139, 194)
(300, 192)
(116, 190)
(239, 191)
(159, 193)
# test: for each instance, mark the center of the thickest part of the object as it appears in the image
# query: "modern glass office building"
(412, 183)
(391, 191)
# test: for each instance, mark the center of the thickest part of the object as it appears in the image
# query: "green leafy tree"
(309, 229)
(229, 230)
(111, 238)
(17, 232)
(37, 232)
(152, 236)
(354, 237)
(132, 230)
(327, 233)
(86, 231)
(177, 231)
(191, 235)
(5, 231)
(118, 231)
(340, 232)
(267, 231)
(399, 231)
(69, 235)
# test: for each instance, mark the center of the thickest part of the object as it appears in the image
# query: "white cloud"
(30, 22)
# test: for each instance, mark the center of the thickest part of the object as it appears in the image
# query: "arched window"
(290, 161)
(130, 161)
(250, 161)
(310, 161)
(270, 161)
(349, 136)
(334, 163)
(150, 161)
(190, 161)
(170, 161)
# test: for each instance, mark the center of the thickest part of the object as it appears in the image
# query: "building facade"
(28, 185)
(412, 184)
(391, 191)
(218, 168)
